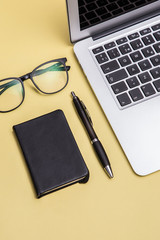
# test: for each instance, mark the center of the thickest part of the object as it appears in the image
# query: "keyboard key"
(81, 3)
(148, 51)
(133, 69)
(82, 19)
(133, 36)
(101, 3)
(155, 60)
(157, 47)
(145, 31)
(106, 16)
(122, 3)
(98, 50)
(144, 65)
(133, 82)
(113, 53)
(121, 40)
(110, 66)
(155, 72)
(157, 35)
(101, 11)
(124, 49)
(144, 77)
(82, 10)
(157, 85)
(95, 20)
(137, 44)
(91, 6)
(117, 76)
(84, 25)
(123, 99)
(112, 7)
(90, 15)
(136, 94)
(89, 1)
(148, 90)
(140, 2)
(148, 40)
(136, 56)
(117, 11)
(109, 45)
(156, 27)
(124, 61)
(101, 58)
(119, 87)
(129, 7)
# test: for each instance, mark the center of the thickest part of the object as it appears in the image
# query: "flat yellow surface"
(124, 208)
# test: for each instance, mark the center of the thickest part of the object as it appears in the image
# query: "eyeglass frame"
(29, 76)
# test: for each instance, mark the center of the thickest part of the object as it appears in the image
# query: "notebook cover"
(51, 152)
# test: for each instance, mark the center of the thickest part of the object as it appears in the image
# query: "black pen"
(86, 119)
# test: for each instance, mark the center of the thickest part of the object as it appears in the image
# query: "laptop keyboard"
(93, 12)
(131, 65)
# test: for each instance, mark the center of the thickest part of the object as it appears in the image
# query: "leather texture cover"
(51, 152)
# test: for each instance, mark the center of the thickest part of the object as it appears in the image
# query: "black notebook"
(51, 152)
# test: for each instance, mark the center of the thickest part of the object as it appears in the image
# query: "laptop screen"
(93, 12)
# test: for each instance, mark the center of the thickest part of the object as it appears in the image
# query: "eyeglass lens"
(11, 94)
(50, 77)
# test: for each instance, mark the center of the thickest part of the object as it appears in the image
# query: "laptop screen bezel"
(74, 24)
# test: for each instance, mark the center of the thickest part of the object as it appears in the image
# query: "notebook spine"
(36, 187)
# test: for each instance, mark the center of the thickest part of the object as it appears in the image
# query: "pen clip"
(87, 113)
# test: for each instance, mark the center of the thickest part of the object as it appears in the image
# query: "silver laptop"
(118, 46)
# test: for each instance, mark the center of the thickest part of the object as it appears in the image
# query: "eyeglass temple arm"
(51, 68)
(37, 73)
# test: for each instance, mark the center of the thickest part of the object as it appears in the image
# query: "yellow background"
(124, 208)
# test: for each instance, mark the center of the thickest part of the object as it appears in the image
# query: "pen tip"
(73, 94)
(109, 172)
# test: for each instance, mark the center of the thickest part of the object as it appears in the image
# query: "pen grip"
(101, 153)
(84, 118)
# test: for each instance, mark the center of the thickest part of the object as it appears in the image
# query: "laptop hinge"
(125, 25)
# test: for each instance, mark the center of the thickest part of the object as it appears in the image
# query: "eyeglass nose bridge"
(25, 77)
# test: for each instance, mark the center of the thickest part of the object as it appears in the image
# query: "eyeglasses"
(49, 78)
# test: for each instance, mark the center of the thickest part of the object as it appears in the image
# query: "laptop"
(117, 44)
